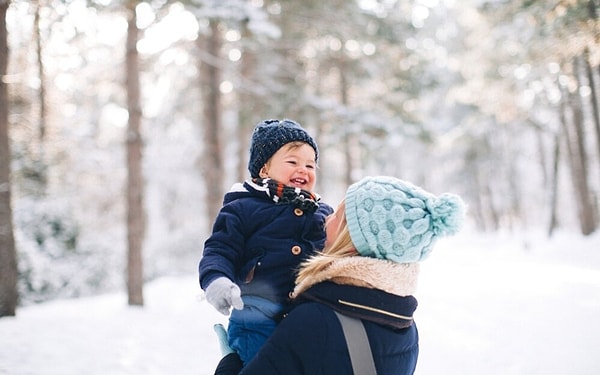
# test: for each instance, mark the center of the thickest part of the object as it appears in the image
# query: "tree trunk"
(553, 180)
(486, 186)
(210, 79)
(594, 98)
(478, 204)
(494, 216)
(486, 215)
(135, 184)
(41, 76)
(350, 145)
(582, 179)
(246, 103)
(40, 153)
(516, 216)
(8, 256)
(572, 134)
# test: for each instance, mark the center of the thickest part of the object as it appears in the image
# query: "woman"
(368, 270)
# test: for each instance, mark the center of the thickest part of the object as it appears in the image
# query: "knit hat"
(392, 219)
(269, 136)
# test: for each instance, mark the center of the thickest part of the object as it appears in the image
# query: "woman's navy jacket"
(310, 341)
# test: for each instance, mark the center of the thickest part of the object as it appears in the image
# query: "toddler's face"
(293, 165)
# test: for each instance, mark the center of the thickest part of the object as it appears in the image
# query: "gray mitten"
(223, 342)
(224, 294)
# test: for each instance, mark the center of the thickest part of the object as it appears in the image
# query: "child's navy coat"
(258, 244)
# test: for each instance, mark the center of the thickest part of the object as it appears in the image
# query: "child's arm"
(217, 268)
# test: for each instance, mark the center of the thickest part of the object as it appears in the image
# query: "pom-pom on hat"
(269, 136)
(392, 219)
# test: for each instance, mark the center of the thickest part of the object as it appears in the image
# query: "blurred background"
(122, 123)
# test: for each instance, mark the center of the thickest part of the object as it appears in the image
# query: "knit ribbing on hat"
(392, 219)
(269, 136)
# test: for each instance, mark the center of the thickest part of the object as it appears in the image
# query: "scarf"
(282, 194)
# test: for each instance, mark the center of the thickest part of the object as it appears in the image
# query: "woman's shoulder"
(310, 309)
(310, 327)
(308, 316)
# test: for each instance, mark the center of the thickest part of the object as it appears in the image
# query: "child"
(267, 226)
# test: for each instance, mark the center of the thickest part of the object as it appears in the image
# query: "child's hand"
(224, 294)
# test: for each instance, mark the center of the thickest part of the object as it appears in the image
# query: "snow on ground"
(487, 305)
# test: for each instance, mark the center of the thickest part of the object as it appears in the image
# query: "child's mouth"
(298, 181)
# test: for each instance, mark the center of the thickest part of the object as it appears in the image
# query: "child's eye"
(310, 166)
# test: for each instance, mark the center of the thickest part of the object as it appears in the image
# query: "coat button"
(296, 250)
(298, 212)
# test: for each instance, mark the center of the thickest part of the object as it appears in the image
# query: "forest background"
(122, 123)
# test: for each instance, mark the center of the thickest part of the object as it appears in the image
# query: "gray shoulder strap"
(358, 345)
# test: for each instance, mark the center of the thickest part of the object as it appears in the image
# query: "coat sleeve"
(223, 250)
(231, 364)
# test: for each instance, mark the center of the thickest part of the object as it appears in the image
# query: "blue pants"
(250, 327)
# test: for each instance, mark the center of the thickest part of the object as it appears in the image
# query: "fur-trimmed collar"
(395, 278)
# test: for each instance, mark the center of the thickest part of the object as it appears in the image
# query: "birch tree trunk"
(8, 257)
(135, 184)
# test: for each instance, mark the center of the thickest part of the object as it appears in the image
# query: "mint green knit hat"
(392, 219)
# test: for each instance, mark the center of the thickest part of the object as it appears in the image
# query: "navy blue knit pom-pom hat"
(269, 136)
(393, 219)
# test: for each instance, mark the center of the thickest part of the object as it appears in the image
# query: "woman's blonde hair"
(341, 247)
